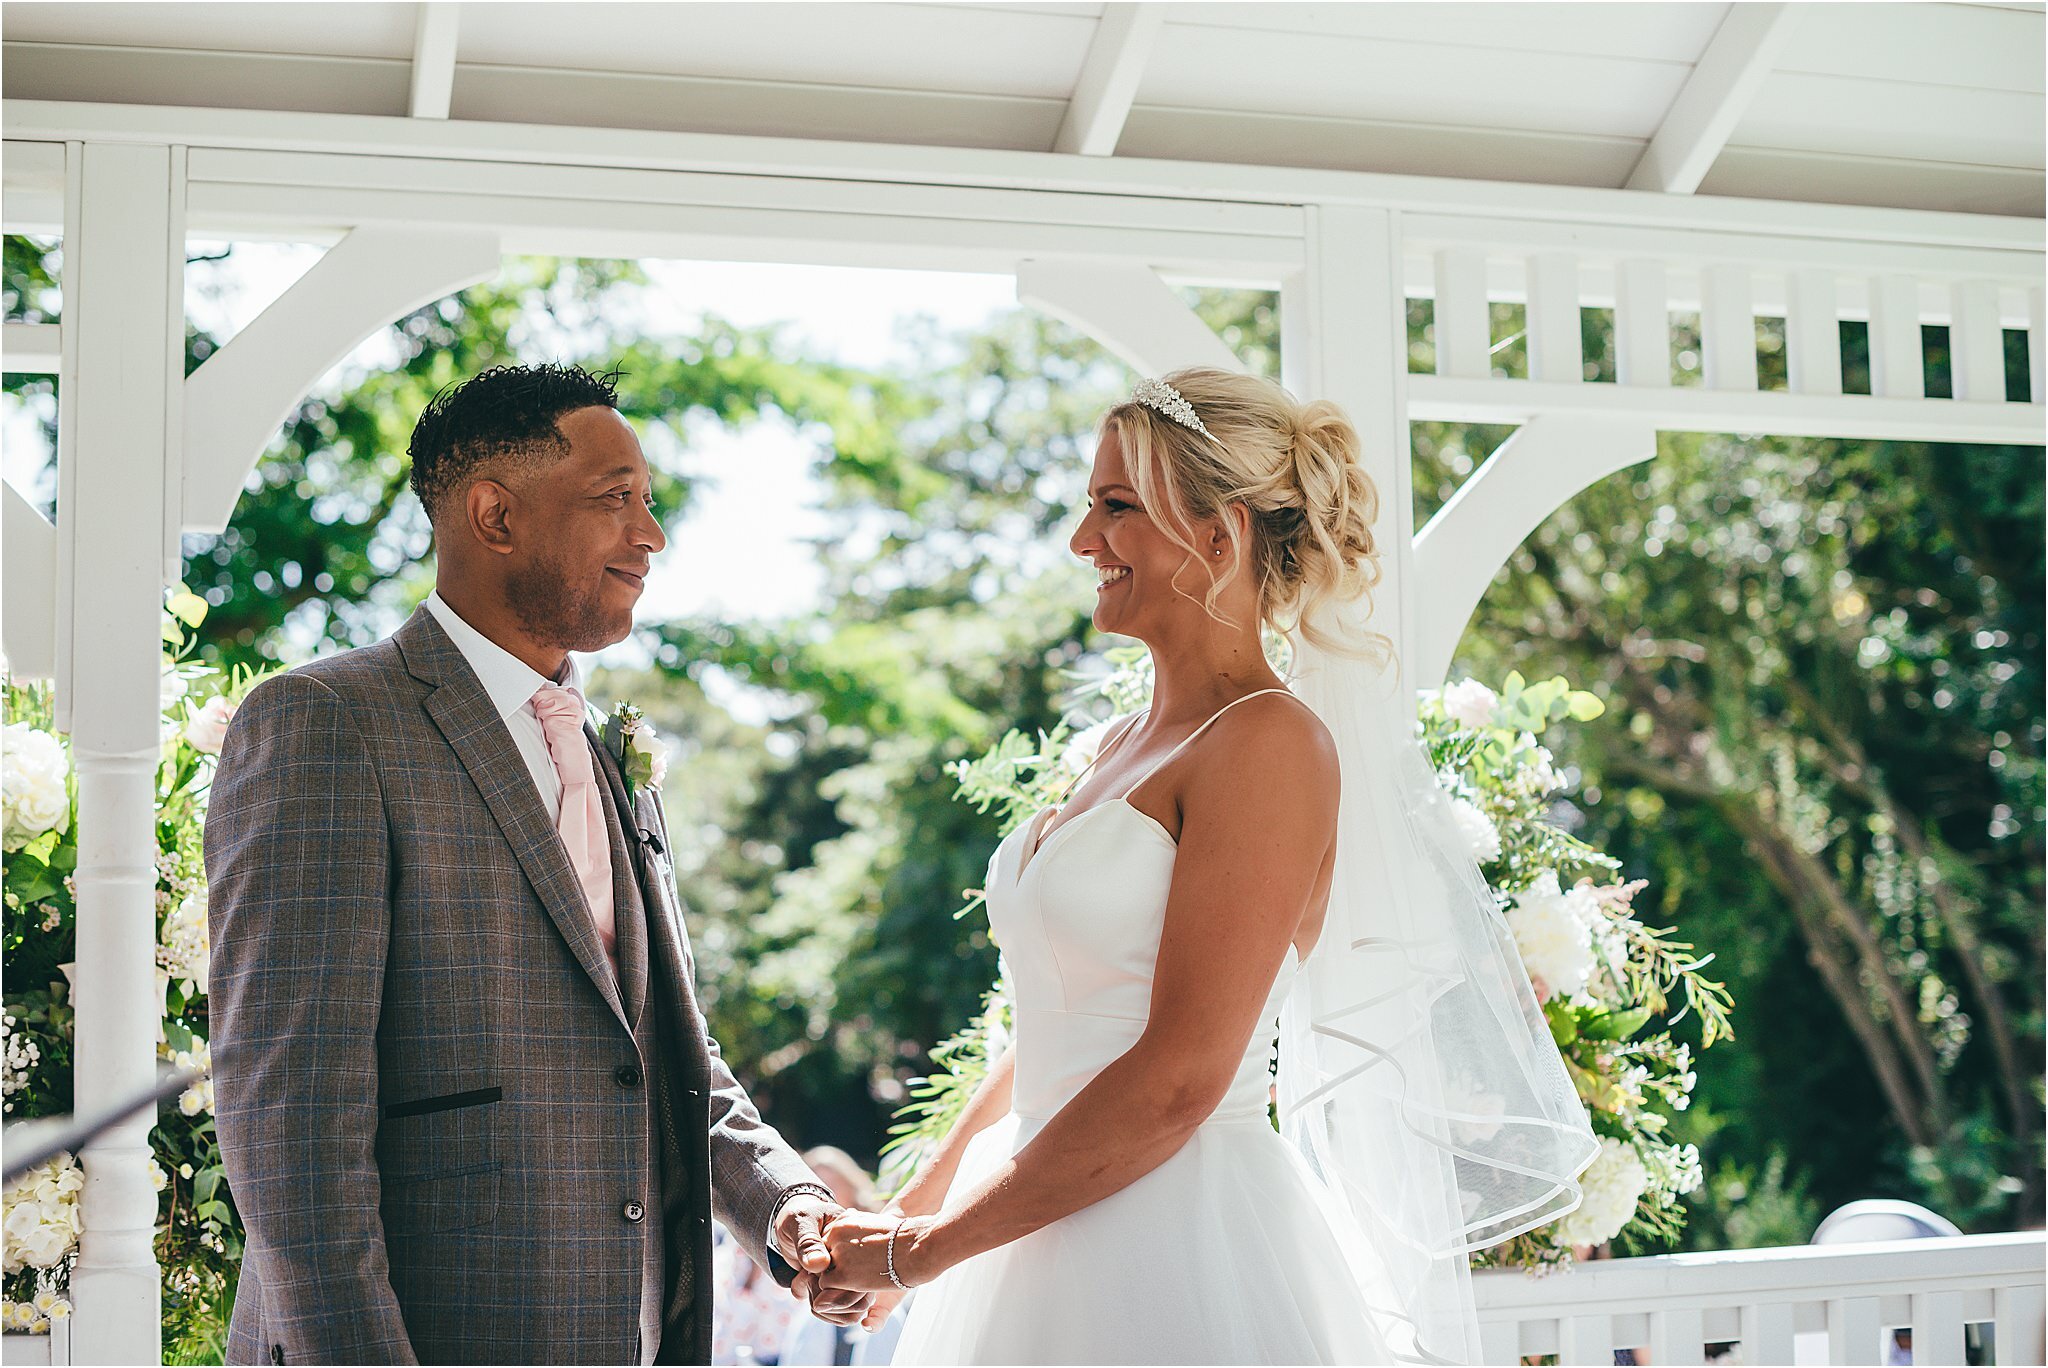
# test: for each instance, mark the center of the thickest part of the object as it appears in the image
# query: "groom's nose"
(647, 531)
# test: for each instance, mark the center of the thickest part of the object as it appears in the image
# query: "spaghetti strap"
(1175, 752)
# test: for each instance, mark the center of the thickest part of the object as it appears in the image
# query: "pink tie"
(582, 821)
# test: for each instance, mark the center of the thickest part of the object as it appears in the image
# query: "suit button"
(627, 1075)
(634, 1211)
(277, 1353)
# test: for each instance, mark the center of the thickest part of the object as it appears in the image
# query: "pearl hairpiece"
(1164, 398)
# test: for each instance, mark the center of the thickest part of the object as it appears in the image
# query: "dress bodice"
(1079, 922)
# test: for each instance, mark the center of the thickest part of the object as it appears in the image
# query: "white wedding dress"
(1227, 1252)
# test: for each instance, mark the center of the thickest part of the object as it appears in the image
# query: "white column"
(1344, 337)
(123, 328)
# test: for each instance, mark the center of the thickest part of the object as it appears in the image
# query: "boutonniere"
(642, 755)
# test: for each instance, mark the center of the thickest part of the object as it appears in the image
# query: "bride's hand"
(859, 1244)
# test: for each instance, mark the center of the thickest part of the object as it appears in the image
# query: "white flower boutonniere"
(642, 755)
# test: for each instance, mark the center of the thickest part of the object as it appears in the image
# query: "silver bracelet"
(894, 1231)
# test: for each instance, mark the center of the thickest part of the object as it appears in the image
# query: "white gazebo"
(1811, 162)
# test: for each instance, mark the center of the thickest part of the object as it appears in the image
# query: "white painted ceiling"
(1936, 106)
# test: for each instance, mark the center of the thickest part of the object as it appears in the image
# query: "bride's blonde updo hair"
(1294, 467)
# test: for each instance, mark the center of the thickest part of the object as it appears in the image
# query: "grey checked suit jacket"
(428, 1092)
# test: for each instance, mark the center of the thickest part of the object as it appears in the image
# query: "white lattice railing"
(1793, 1305)
(1730, 280)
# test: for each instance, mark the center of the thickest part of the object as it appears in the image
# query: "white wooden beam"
(1343, 338)
(32, 349)
(1898, 367)
(1556, 343)
(1727, 329)
(1128, 309)
(1813, 343)
(1108, 83)
(433, 58)
(1711, 102)
(2037, 342)
(1464, 326)
(871, 162)
(239, 396)
(1642, 324)
(124, 262)
(1691, 408)
(1530, 476)
(30, 623)
(1976, 343)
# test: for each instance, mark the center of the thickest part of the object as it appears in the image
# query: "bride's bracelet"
(894, 1231)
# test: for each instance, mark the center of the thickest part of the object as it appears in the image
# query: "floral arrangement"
(199, 1240)
(1608, 983)
(639, 749)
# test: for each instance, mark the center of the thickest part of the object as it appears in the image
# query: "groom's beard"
(557, 613)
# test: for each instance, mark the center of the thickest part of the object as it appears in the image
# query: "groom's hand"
(800, 1238)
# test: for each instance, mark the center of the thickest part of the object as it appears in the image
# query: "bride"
(1245, 867)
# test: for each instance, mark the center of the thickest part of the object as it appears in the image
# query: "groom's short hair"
(503, 415)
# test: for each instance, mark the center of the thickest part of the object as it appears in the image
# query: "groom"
(469, 1108)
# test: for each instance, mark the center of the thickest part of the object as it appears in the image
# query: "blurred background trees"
(1822, 662)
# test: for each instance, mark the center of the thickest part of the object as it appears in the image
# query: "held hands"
(800, 1238)
(859, 1243)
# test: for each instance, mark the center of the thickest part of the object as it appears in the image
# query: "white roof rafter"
(1723, 81)
(1108, 85)
(433, 59)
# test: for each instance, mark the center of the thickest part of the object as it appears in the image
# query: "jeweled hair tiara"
(1164, 398)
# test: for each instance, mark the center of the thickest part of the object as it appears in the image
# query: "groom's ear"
(488, 509)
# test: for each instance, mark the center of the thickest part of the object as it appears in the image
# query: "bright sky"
(741, 552)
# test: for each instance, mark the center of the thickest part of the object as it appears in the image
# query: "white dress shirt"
(511, 683)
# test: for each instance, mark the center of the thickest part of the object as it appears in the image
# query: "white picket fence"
(1792, 1305)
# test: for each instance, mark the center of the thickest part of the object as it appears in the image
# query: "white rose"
(33, 769)
(1612, 1185)
(1482, 837)
(1470, 702)
(647, 743)
(1556, 944)
(208, 727)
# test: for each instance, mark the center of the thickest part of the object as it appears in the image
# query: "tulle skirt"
(1225, 1253)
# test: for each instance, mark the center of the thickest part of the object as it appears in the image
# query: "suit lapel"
(464, 713)
(629, 888)
(668, 952)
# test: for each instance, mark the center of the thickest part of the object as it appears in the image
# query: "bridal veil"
(1417, 1074)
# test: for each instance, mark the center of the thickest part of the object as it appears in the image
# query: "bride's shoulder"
(1274, 735)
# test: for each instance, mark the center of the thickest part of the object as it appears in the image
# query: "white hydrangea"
(1612, 1185)
(182, 951)
(22, 1056)
(1542, 772)
(1482, 837)
(33, 769)
(1470, 702)
(39, 1217)
(1552, 933)
(207, 728)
